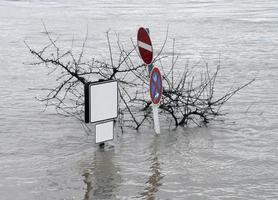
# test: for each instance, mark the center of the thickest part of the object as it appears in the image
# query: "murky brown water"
(46, 156)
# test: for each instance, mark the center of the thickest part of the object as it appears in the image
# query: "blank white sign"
(104, 131)
(103, 101)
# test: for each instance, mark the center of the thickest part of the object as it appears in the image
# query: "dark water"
(46, 156)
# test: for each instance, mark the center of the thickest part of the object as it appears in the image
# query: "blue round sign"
(155, 85)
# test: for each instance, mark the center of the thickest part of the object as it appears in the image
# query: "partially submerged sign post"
(146, 52)
(101, 107)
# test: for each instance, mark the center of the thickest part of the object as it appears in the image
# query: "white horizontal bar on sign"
(145, 46)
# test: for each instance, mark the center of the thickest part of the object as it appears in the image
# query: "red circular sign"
(155, 85)
(145, 45)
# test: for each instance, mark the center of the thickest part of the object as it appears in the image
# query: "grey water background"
(47, 156)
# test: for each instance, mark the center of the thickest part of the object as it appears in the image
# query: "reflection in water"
(102, 178)
(153, 182)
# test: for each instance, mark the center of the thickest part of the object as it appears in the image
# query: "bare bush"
(186, 99)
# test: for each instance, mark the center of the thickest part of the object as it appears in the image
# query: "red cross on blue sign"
(155, 85)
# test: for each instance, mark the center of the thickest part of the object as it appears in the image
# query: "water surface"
(47, 156)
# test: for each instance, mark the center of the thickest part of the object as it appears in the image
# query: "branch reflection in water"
(103, 178)
(153, 182)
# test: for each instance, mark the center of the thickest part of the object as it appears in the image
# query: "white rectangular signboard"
(101, 101)
(104, 131)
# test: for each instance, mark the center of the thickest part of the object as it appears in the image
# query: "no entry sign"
(155, 85)
(145, 45)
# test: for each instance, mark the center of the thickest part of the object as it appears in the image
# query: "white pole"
(156, 119)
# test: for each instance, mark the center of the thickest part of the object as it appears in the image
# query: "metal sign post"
(146, 52)
(156, 119)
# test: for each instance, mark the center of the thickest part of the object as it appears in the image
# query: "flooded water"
(47, 156)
